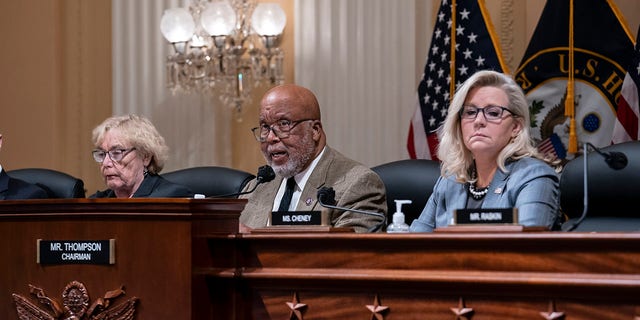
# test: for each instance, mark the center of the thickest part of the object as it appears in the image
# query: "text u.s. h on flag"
(469, 33)
(570, 108)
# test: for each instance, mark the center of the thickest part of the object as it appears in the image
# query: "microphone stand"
(322, 194)
(615, 160)
(237, 193)
(585, 198)
(265, 174)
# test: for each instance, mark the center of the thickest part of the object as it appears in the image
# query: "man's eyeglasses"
(280, 128)
(491, 113)
(115, 155)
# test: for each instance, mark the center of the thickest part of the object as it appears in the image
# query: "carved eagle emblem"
(75, 305)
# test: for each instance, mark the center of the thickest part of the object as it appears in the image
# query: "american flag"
(476, 48)
(552, 147)
(626, 126)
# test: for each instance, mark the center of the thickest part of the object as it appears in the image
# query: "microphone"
(326, 198)
(265, 174)
(614, 159)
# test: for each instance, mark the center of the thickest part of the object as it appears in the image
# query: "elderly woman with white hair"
(131, 152)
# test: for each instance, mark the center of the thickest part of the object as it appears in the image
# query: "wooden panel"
(423, 276)
(153, 248)
(184, 259)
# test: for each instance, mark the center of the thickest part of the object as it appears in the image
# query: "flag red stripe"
(627, 118)
(410, 145)
(432, 139)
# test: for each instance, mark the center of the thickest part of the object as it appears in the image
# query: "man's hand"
(243, 228)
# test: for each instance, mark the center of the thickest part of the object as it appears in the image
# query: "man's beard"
(297, 160)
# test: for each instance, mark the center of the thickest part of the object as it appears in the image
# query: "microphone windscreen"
(265, 174)
(616, 160)
(327, 195)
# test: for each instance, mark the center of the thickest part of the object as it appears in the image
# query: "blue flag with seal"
(572, 73)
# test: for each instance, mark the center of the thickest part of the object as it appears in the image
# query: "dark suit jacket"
(356, 187)
(15, 189)
(153, 186)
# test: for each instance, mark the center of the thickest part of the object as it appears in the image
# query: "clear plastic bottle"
(398, 225)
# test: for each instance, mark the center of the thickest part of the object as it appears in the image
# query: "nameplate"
(296, 218)
(52, 252)
(485, 216)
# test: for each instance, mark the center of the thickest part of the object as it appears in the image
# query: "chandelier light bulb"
(268, 19)
(218, 19)
(224, 48)
(177, 25)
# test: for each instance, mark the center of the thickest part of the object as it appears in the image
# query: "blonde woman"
(488, 158)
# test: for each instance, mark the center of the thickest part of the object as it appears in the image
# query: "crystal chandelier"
(224, 48)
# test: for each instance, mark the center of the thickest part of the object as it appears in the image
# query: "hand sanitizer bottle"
(398, 225)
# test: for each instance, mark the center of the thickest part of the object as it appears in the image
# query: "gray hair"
(141, 134)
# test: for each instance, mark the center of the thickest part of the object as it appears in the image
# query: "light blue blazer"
(531, 185)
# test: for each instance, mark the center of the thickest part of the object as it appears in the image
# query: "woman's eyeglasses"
(491, 113)
(115, 155)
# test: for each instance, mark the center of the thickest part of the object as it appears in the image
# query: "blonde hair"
(141, 134)
(456, 158)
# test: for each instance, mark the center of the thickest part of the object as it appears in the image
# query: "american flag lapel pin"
(308, 201)
(498, 191)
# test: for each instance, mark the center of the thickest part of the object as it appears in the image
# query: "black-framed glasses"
(280, 128)
(491, 113)
(115, 155)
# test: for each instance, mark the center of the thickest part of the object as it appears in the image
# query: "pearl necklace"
(477, 194)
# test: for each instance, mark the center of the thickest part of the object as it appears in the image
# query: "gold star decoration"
(377, 311)
(552, 314)
(296, 307)
(461, 311)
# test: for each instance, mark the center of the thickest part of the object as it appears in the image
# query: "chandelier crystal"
(224, 48)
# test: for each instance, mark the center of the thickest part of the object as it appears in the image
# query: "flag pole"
(569, 103)
(452, 50)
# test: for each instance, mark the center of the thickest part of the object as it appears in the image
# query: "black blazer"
(153, 186)
(15, 189)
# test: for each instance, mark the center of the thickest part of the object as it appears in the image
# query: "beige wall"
(56, 78)
(56, 82)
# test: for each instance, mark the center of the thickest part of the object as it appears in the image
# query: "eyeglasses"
(115, 155)
(491, 113)
(280, 128)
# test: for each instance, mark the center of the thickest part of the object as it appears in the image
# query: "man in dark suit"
(15, 189)
(293, 142)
